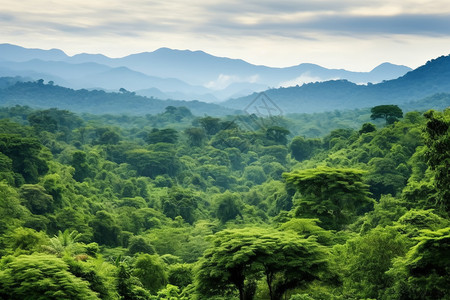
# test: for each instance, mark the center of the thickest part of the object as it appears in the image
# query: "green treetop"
(334, 195)
(390, 113)
(239, 258)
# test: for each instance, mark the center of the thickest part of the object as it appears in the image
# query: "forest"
(172, 205)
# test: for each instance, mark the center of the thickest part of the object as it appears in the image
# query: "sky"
(355, 35)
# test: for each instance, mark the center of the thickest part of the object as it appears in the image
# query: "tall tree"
(210, 124)
(390, 113)
(277, 135)
(240, 257)
(334, 195)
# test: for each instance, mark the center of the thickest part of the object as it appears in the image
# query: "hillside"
(431, 78)
(40, 95)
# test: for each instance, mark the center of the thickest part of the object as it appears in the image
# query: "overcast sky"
(352, 34)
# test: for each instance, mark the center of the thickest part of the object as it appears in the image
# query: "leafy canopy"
(40, 277)
(239, 257)
(390, 113)
(335, 195)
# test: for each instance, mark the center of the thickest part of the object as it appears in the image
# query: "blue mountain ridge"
(182, 73)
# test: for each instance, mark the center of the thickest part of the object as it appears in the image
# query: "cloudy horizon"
(347, 34)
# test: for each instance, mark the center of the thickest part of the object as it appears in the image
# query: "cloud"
(223, 81)
(260, 31)
(232, 17)
(302, 79)
(5, 17)
(403, 24)
(291, 18)
(332, 24)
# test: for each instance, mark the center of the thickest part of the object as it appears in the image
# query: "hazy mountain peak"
(390, 68)
(85, 56)
(16, 53)
(170, 50)
(431, 78)
(198, 73)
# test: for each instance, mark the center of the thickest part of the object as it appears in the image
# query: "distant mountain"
(19, 54)
(94, 75)
(40, 95)
(153, 93)
(438, 101)
(9, 81)
(56, 68)
(200, 68)
(431, 78)
(199, 75)
(31, 75)
(387, 71)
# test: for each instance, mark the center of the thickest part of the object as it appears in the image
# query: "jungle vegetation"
(177, 206)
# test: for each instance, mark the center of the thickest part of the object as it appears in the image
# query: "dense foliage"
(174, 206)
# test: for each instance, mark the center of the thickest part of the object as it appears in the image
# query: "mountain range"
(37, 94)
(173, 74)
(128, 85)
(429, 79)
